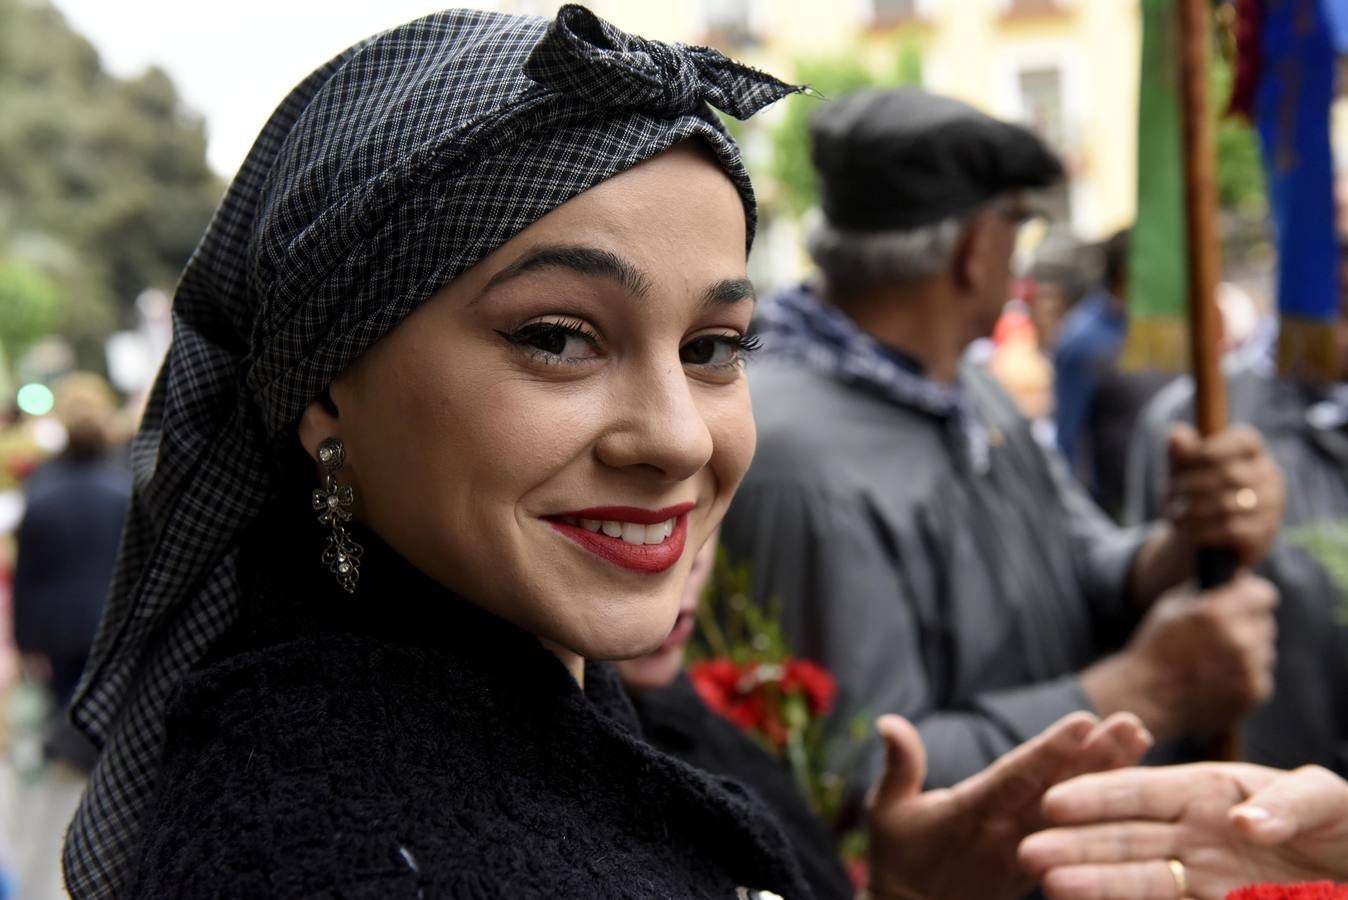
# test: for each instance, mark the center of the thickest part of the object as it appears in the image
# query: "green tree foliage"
(106, 177)
(1240, 171)
(830, 77)
(30, 306)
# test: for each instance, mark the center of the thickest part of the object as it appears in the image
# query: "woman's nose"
(656, 424)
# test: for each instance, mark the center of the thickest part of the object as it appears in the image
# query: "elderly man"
(921, 543)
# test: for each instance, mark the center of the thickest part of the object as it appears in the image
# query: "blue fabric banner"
(1292, 107)
(1336, 15)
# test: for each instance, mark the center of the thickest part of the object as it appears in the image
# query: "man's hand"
(961, 842)
(1225, 491)
(1226, 824)
(1197, 663)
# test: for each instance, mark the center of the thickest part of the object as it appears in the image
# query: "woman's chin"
(651, 671)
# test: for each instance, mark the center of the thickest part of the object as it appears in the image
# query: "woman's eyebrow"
(585, 260)
(729, 291)
(607, 264)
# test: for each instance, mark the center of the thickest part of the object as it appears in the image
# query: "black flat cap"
(903, 158)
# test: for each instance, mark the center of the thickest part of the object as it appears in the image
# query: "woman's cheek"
(731, 422)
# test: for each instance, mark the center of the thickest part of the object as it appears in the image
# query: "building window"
(888, 12)
(1041, 103)
(1041, 100)
(1018, 8)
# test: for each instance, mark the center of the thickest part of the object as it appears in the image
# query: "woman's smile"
(643, 540)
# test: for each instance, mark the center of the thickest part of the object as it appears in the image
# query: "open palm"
(960, 842)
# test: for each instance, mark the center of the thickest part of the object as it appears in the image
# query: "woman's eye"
(559, 340)
(717, 350)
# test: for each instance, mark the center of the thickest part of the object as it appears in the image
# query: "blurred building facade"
(1067, 68)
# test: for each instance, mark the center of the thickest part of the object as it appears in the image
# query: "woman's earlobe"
(318, 422)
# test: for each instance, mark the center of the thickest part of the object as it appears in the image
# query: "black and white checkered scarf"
(384, 175)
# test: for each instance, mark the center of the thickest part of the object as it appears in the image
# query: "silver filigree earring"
(333, 502)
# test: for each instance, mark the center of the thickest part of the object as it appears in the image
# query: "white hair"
(851, 261)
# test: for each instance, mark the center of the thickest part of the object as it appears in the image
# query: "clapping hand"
(961, 842)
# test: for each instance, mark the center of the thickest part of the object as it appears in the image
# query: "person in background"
(1097, 404)
(1305, 428)
(1197, 831)
(984, 818)
(1087, 348)
(66, 546)
(1018, 362)
(1304, 424)
(923, 546)
(1059, 282)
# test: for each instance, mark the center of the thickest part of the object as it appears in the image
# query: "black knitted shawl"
(675, 720)
(405, 743)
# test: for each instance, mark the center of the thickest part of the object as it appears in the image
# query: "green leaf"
(1327, 543)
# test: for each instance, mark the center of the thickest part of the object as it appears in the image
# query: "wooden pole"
(1215, 565)
(1200, 206)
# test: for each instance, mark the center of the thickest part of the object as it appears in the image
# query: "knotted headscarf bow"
(386, 174)
(589, 58)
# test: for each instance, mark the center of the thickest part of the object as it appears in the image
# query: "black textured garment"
(408, 744)
(675, 720)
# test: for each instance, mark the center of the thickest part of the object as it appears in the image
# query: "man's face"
(990, 268)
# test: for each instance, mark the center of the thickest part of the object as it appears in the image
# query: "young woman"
(456, 389)
(456, 378)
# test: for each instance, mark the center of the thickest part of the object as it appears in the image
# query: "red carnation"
(814, 680)
(1316, 890)
(719, 683)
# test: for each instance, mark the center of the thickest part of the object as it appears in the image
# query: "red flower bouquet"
(743, 670)
(765, 699)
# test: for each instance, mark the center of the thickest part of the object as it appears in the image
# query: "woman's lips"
(641, 540)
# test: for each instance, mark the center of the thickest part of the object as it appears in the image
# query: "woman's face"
(555, 433)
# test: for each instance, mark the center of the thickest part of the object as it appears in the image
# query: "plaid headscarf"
(383, 176)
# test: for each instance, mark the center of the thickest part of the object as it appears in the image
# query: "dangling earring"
(333, 501)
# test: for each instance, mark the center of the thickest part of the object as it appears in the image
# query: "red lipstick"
(649, 558)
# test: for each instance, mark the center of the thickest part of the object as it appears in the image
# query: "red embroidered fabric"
(1316, 890)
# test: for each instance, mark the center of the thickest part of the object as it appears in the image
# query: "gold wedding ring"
(1177, 873)
(1246, 499)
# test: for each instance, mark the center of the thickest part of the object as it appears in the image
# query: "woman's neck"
(574, 662)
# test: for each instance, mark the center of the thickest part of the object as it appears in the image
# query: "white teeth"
(629, 532)
(656, 534)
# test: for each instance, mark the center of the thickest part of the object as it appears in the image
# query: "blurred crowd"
(64, 490)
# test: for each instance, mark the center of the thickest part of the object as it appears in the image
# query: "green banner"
(1157, 267)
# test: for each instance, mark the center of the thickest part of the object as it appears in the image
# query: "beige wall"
(972, 49)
